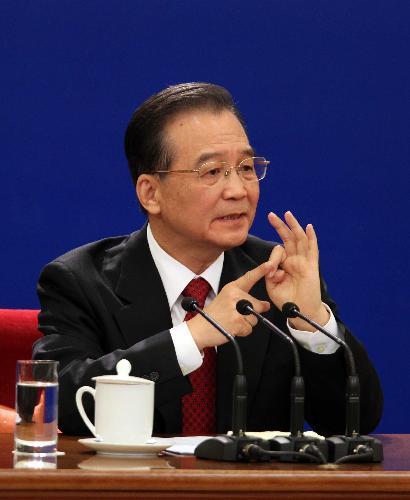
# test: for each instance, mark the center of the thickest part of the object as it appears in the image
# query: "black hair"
(145, 144)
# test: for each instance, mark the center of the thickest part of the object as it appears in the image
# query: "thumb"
(249, 279)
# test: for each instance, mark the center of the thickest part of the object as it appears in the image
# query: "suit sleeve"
(78, 329)
(325, 380)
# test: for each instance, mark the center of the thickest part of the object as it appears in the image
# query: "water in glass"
(36, 419)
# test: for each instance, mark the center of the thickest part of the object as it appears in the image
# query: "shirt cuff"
(317, 341)
(188, 355)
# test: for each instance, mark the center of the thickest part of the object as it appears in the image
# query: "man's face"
(195, 217)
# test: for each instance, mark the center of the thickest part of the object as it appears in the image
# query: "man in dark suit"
(197, 178)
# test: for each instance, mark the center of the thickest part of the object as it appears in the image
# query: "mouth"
(233, 217)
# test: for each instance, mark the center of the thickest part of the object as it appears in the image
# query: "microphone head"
(188, 304)
(289, 309)
(242, 307)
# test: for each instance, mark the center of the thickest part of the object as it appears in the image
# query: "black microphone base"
(297, 443)
(230, 448)
(342, 446)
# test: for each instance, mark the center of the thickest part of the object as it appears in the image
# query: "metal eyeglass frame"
(227, 172)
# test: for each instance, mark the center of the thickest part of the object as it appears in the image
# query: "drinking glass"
(36, 406)
(34, 460)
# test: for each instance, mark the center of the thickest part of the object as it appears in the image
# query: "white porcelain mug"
(124, 407)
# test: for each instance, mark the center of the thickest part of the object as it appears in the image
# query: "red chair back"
(18, 331)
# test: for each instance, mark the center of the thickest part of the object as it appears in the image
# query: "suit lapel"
(253, 347)
(144, 310)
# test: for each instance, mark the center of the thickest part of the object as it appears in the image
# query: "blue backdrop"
(324, 87)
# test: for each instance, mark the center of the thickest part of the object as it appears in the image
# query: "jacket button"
(154, 376)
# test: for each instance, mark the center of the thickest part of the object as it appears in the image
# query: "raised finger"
(249, 279)
(300, 235)
(284, 232)
(313, 248)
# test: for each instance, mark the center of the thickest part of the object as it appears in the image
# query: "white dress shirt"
(175, 277)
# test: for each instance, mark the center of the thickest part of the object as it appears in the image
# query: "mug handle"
(79, 402)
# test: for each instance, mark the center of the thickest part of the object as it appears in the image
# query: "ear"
(147, 190)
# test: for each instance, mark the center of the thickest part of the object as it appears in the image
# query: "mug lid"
(123, 376)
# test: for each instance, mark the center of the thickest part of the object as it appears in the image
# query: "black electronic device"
(229, 448)
(350, 447)
(298, 446)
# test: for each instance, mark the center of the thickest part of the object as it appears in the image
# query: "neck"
(195, 258)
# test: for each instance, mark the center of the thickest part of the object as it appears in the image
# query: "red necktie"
(198, 407)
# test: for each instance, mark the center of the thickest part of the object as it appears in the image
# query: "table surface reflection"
(82, 473)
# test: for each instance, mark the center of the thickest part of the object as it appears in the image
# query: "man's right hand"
(223, 309)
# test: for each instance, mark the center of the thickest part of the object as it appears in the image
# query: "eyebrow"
(209, 155)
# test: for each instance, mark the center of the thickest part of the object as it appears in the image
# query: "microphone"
(351, 446)
(229, 448)
(291, 310)
(296, 441)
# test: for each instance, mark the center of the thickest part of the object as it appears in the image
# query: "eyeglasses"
(209, 173)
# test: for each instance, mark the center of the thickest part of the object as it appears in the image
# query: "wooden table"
(82, 474)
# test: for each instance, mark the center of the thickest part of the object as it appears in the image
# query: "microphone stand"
(350, 447)
(296, 443)
(235, 447)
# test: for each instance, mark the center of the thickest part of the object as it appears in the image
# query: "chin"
(232, 241)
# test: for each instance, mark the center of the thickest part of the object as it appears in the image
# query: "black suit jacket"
(105, 301)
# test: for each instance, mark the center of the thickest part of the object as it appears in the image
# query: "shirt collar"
(175, 276)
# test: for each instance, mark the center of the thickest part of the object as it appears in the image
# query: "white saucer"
(154, 446)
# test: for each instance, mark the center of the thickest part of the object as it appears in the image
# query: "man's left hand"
(295, 277)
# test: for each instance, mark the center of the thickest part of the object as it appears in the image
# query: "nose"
(234, 187)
